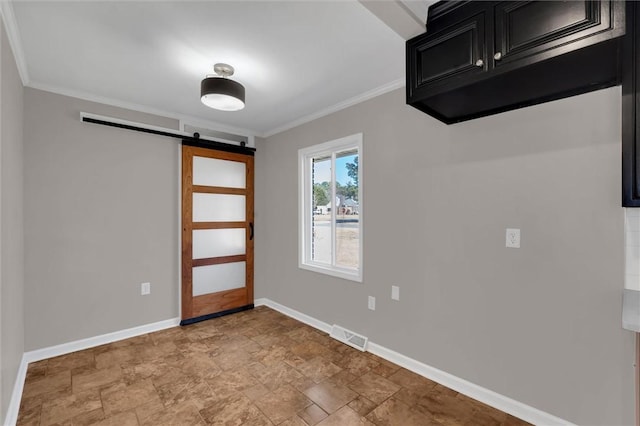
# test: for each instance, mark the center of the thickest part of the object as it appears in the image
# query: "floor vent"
(349, 337)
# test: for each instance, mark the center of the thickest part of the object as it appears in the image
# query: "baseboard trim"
(486, 396)
(320, 325)
(78, 345)
(14, 405)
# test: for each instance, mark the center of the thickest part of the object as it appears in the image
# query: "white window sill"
(346, 274)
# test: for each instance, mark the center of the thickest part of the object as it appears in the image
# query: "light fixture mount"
(219, 92)
(223, 70)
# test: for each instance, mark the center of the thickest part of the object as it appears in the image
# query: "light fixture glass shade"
(222, 93)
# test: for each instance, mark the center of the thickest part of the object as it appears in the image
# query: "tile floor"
(257, 367)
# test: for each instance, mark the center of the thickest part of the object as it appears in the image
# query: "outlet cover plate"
(513, 238)
(395, 292)
(145, 288)
(372, 303)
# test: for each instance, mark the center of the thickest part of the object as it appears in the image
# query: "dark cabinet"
(535, 28)
(453, 53)
(482, 58)
(631, 109)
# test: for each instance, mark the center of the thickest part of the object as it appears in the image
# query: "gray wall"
(101, 217)
(540, 324)
(11, 223)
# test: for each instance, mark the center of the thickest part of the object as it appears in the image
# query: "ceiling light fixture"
(219, 92)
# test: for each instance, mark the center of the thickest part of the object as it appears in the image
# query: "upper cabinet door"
(445, 56)
(524, 29)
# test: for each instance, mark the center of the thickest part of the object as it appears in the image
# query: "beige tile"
(411, 381)
(234, 359)
(346, 417)
(236, 409)
(123, 419)
(384, 367)
(373, 387)
(67, 407)
(169, 335)
(95, 378)
(36, 370)
(134, 370)
(330, 396)
(70, 361)
(59, 382)
(312, 414)
(255, 392)
(144, 411)
(309, 350)
(255, 368)
(231, 382)
(444, 406)
(271, 355)
(160, 350)
(121, 397)
(196, 391)
(393, 412)
(88, 418)
(303, 383)
(343, 377)
(294, 421)
(115, 357)
(362, 405)
(169, 374)
(319, 369)
(29, 417)
(184, 413)
(282, 403)
(357, 363)
(274, 375)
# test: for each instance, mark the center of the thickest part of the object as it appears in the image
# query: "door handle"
(250, 231)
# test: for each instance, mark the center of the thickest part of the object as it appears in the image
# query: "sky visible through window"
(322, 170)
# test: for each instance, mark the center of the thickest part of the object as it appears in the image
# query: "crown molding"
(11, 27)
(381, 90)
(142, 108)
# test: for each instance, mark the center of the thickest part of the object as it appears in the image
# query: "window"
(331, 207)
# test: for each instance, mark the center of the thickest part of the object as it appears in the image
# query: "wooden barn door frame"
(199, 308)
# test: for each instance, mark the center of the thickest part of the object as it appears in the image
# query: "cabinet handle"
(250, 231)
(497, 56)
(479, 63)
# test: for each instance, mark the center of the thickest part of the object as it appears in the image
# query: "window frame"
(305, 206)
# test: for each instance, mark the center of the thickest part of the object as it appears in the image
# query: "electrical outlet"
(372, 303)
(395, 292)
(145, 288)
(513, 238)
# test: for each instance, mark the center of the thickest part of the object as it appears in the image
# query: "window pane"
(321, 211)
(216, 172)
(348, 210)
(218, 242)
(214, 278)
(218, 207)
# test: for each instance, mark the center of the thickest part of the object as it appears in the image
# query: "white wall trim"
(320, 325)
(486, 396)
(489, 397)
(78, 345)
(11, 26)
(396, 84)
(16, 396)
(139, 108)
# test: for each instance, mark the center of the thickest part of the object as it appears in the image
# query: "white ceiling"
(297, 59)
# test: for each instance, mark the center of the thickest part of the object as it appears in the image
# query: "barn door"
(217, 233)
